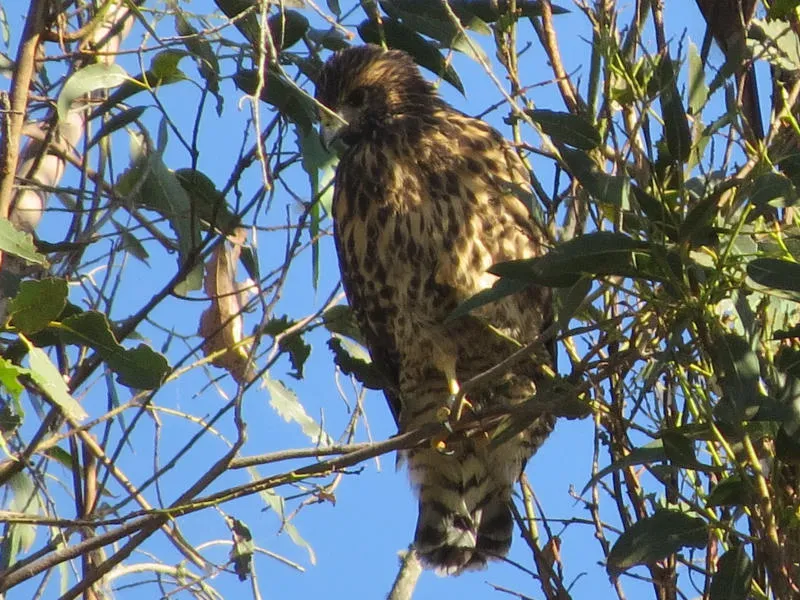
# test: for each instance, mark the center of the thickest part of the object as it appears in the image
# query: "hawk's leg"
(452, 412)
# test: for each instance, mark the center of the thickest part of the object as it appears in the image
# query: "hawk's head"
(370, 89)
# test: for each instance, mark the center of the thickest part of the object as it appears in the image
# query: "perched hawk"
(426, 199)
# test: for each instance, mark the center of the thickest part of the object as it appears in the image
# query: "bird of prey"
(426, 200)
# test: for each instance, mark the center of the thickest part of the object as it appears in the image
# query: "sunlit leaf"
(698, 90)
(47, 377)
(19, 243)
(288, 406)
(38, 303)
(88, 79)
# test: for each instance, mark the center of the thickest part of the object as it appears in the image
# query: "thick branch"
(20, 84)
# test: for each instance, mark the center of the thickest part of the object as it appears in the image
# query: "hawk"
(425, 200)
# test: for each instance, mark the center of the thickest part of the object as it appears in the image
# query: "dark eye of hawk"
(356, 97)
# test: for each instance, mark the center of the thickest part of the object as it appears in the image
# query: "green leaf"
(149, 183)
(139, 368)
(17, 242)
(9, 377)
(568, 300)
(94, 77)
(276, 503)
(208, 202)
(738, 374)
(776, 42)
(773, 190)
(656, 537)
(201, 49)
(340, 319)
(438, 25)
(46, 376)
(502, 287)
(354, 360)
(286, 28)
(331, 38)
(163, 71)
(597, 253)
(676, 124)
(320, 165)
(652, 452)
(696, 227)
(292, 102)
(731, 491)
(117, 122)
(248, 24)
(567, 128)
(611, 189)
(130, 243)
(294, 345)
(775, 274)
(782, 9)
(657, 214)
(38, 303)
(679, 450)
(61, 456)
(286, 404)
(403, 37)
(19, 537)
(733, 577)
(241, 554)
(698, 90)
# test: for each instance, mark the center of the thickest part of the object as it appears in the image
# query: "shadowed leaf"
(567, 128)
(656, 537)
(733, 576)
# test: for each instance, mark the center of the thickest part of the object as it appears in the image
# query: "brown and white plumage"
(426, 199)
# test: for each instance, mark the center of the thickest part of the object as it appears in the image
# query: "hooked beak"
(331, 127)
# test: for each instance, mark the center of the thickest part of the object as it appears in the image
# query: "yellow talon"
(442, 414)
(439, 444)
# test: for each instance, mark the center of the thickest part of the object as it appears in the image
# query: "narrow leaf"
(567, 128)
(403, 37)
(118, 121)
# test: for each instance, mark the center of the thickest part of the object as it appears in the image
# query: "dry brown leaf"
(221, 325)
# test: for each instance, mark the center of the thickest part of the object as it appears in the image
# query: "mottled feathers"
(426, 199)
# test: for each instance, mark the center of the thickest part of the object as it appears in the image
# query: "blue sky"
(356, 540)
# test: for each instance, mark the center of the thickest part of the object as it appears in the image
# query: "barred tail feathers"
(464, 516)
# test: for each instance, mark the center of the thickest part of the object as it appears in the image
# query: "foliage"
(674, 259)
